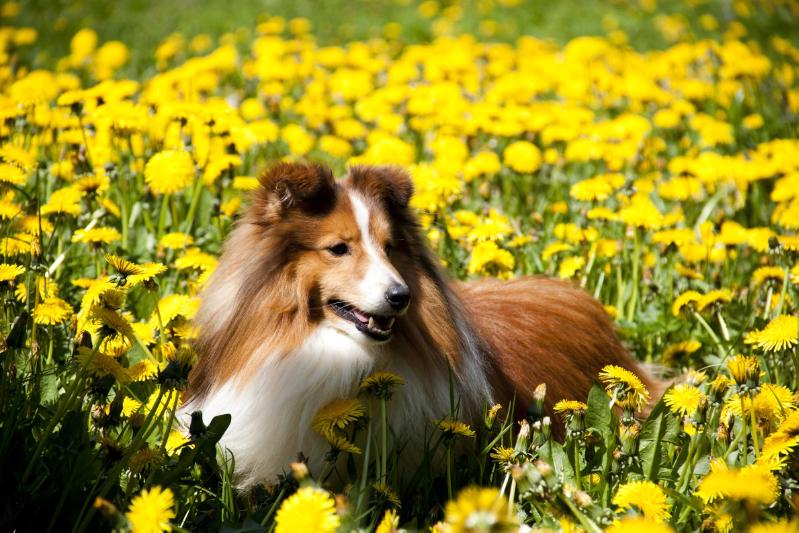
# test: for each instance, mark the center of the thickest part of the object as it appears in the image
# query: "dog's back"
(542, 330)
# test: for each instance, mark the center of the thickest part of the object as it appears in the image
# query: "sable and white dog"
(325, 281)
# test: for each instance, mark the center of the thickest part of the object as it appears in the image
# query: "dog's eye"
(388, 249)
(339, 249)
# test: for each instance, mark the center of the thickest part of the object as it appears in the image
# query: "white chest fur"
(272, 408)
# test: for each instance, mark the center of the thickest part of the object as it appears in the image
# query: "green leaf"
(661, 427)
(49, 389)
(599, 415)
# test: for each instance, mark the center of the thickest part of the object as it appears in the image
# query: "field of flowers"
(665, 182)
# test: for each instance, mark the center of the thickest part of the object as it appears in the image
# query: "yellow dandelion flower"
(337, 414)
(10, 272)
(570, 407)
(782, 441)
(195, 259)
(130, 406)
(768, 274)
(503, 454)
(683, 399)
(64, 201)
(12, 174)
(522, 156)
(380, 385)
(479, 509)
(638, 524)
(487, 257)
(96, 236)
(451, 427)
(753, 483)
(51, 311)
(783, 525)
(308, 509)
(175, 441)
(144, 459)
(744, 369)
(714, 297)
(340, 443)
(678, 353)
(389, 523)
(779, 334)
(151, 511)
(555, 248)
(570, 266)
(169, 172)
(624, 387)
(146, 273)
(648, 497)
(176, 241)
(687, 298)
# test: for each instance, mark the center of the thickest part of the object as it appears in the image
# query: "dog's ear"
(389, 184)
(305, 185)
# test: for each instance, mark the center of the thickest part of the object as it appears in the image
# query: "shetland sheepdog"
(324, 281)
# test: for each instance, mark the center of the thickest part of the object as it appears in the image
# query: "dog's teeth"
(390, 322)
(371, 323)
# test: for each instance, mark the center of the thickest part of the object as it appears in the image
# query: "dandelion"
(570, 407)
(339, 443)
(624, 387)
(451, 427)
(638, 524)
(169, 172)
(753, 483)
(685, 299)
(389, 523)
(779, 334)
(522, 156)
(338, 414)
(646, 496)
(51, 311)
(308, 509)
(10, 272)
(745, 370)
(175, 241)
(380, 385)
(151, 510)
(96, 236)
(387, 494)
(714, 297)
(683, 399)
(479, 509)
(678, 353)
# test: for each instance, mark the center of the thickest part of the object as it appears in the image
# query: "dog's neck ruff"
(273, 407)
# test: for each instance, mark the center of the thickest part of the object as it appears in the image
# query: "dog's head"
(345, 243)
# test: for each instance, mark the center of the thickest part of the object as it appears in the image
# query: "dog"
(323, 281)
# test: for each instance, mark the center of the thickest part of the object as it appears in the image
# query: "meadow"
(645, 150)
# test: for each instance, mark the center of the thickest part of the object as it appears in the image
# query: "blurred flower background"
(646, 150)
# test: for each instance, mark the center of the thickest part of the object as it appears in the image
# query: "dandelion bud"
(491, 415)
(536, 408)
(545, 469)
(299, 470)
(106, 508)
(523, 438)
(745, 370)
(582, 499)
(546, 427)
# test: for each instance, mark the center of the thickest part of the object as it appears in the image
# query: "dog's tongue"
(360, 316)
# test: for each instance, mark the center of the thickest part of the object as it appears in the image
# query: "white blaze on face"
(379, 274)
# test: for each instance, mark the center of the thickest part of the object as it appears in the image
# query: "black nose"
(398, 296)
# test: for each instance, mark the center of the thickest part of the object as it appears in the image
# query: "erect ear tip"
(390, 183)
(297, 181)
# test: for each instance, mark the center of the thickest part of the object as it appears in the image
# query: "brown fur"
(521, 333)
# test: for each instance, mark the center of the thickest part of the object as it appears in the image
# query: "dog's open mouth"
(375, 326)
